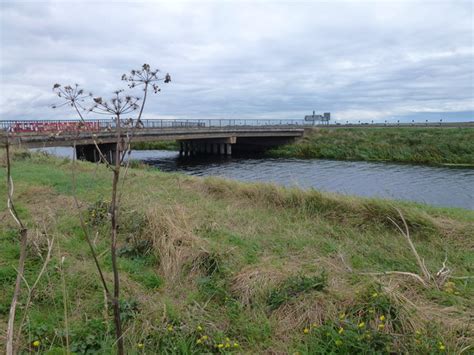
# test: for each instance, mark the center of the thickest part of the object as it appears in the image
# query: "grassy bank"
(433, 146)
(159, 145)
(213, 266)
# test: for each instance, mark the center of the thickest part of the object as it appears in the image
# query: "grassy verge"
(159, 145)
(434, 146)
(213, 266)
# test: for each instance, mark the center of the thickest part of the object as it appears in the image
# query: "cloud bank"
(360, 60)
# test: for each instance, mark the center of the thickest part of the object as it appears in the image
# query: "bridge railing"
(39, 126)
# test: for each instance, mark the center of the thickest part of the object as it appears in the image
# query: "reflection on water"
(431, 185)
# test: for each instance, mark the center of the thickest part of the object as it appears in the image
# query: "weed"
(293, 286)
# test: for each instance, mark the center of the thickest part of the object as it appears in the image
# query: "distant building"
(318, 118)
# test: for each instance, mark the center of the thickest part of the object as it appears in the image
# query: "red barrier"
(25, 127)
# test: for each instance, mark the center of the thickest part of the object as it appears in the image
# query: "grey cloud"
(371, 60)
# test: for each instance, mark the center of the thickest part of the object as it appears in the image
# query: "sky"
(361, 61)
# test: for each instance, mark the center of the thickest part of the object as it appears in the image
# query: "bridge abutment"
(90, 153)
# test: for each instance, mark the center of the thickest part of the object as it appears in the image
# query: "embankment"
(210, 266)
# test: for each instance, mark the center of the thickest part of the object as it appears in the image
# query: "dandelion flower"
(199, 328)
(382, 318)
(306, 330)
(236, 345)
(36, 343)
(341, 330)
(204, 337)
(170, 328)
(361, 325)
(199, 341)
(442, 347)
(220, 346)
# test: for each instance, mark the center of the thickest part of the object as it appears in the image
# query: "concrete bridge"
(220, 137)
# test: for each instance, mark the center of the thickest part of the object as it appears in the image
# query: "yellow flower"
(342, 316)
(199, 341)
(361, 325)
(381, 326)
(341, 330)
(442, 347)
(382, 318)
(236, 345)
(227, 345)
(375, 295)
(220, 346)
(204, 337)
(140, 345)
(199, 328)
(338, 342)
(306, 330)
(170, 328)
(314, 325)
(36, 343)
(227, 340)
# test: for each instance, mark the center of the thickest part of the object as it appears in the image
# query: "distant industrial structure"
(324, 118)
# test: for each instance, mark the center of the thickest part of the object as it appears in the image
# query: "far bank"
(414, 145)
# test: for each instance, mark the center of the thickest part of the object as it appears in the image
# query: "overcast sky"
(380, 60)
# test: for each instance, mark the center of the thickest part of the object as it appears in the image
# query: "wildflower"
(306, 330)
(220, 346)
(227, 345)
(36, 343)
(341, 330)
(140, 345)
(382, 318)
(338, 342)
(418, 333)
(227, 340)
(236, 345)
(199, 328)
(441, 346)
(361, 325)
(381, 326)
(375, 295)
(314, 325)
(170, 328)
(199, 341)
(342, 316)
(204, 337)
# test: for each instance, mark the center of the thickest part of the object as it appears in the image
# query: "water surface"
(440, 186)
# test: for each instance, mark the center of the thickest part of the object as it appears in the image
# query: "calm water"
(431, 185)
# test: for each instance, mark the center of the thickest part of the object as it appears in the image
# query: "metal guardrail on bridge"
(100, 125)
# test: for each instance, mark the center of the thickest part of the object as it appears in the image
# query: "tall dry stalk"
(23, 232)
(118, 107)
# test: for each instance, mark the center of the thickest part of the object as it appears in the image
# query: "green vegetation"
(214, 266)
(435, 146)
(158, 145)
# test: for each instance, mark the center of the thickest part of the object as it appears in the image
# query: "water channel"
(439, 186)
